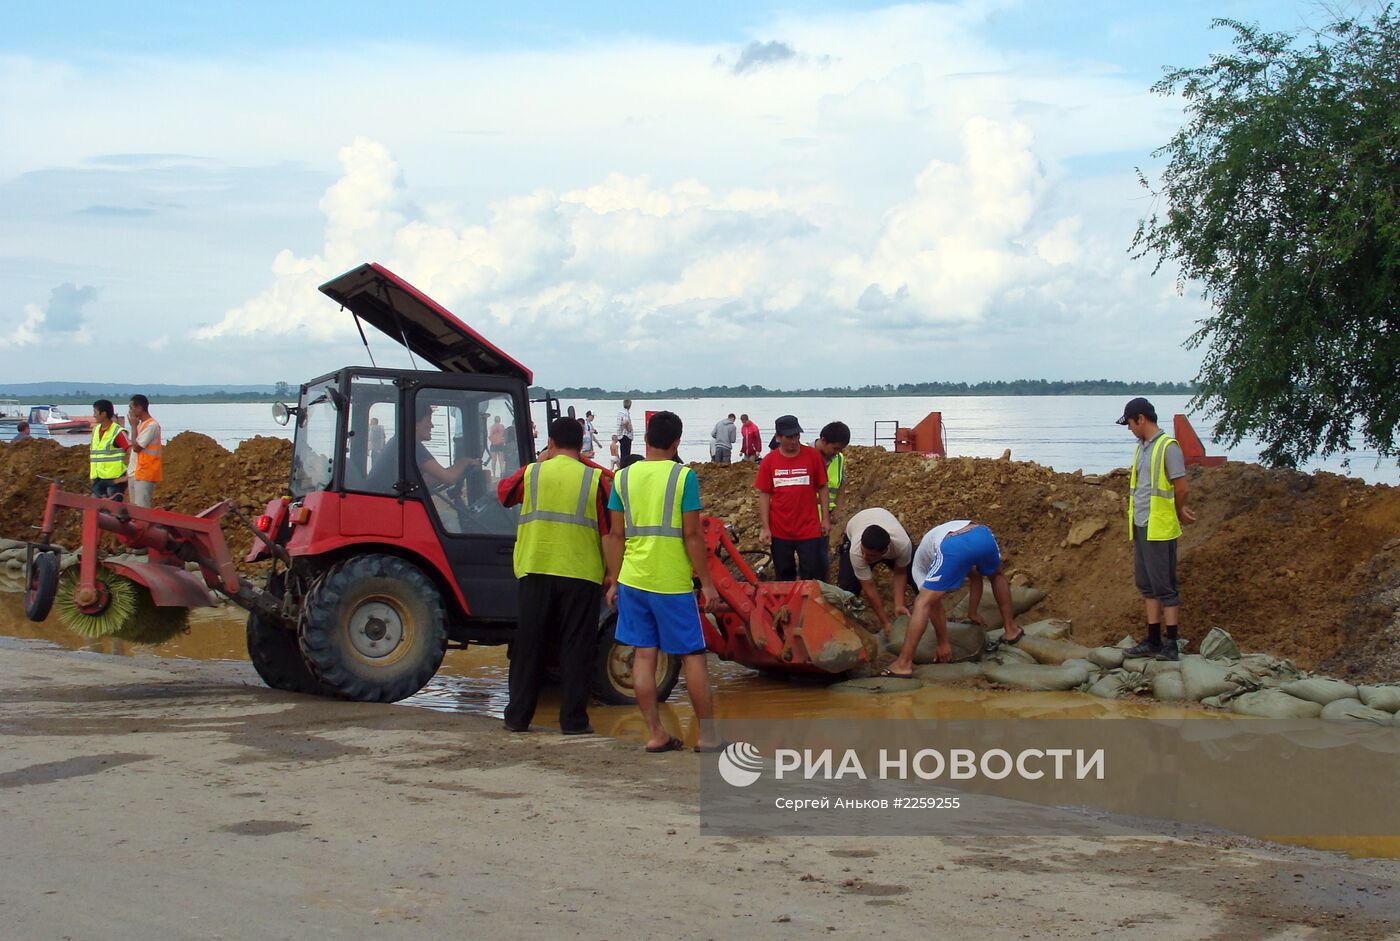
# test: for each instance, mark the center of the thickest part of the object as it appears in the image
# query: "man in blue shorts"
(946, 556)
(654, 548)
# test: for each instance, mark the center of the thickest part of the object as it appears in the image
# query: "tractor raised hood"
(400, 311)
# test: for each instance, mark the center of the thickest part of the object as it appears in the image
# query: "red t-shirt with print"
(793, 483)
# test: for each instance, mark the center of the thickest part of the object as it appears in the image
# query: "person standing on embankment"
(751, 442)
(107, 451)
(792, 502)
(559, 564)
(1156, 511)
(144, 469)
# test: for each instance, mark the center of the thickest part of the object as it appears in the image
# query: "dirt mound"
(198, 471)
(1306, 566)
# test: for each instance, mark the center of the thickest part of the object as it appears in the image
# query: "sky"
(620, 195)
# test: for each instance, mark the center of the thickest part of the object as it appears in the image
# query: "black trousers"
(846, 573)
(624, 448)
(799, 558)
(560, 615)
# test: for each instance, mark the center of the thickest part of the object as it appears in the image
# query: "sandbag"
(1035, 676)
(1023, 598)
(1110, 658)
(1054, 652)
(1008, 654)
(1274, 704)
(1352, 710)
(948, 672)
(1219, 645)
(1050, 628)
(1127, 643)
(1090, 667)
(878, 684)
(968, 640)
(1201, 678)
(1320, 689)
(1151, 667)
(1168, 687)
(1213, 702)
(1385, 698)
(1115, 684)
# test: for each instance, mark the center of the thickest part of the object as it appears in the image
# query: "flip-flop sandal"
(1017, 640)
(672, 744)
(711, 749)
(890, 674)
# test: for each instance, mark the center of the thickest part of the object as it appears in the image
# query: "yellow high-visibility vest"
(655, 559)
(1162, 524)
(558, 529)
(104, 457)
(835, 473)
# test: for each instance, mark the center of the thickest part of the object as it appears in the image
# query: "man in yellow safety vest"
(107, 451)
(654, 547)
(144, 470)
(1156, 511)
(560, 571)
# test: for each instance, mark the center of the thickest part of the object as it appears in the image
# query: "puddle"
(473, 682)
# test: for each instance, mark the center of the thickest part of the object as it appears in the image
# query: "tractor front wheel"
(612, 669)
(276, 655)
(374, 629)
(40, 585)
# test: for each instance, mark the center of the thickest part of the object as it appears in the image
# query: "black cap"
(1136, 407)
(787, 425)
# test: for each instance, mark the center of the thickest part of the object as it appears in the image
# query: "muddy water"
(474, 682)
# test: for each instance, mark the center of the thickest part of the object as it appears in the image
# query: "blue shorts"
(959, 554)
(649, 619)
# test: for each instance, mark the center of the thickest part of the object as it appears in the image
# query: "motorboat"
(57, 421)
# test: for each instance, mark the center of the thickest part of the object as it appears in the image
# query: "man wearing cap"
(874, 537)
(1156, 511)
(792, 505)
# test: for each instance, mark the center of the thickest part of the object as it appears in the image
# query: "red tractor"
(376, 567)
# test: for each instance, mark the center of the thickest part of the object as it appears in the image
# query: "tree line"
(993, 387)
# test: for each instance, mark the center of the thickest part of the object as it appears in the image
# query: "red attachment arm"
(1191, 447)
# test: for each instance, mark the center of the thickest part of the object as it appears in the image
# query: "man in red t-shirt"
(792, 501)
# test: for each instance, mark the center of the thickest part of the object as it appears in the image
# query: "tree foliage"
(1281, 197)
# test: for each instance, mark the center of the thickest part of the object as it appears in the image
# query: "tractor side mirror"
(282, 412)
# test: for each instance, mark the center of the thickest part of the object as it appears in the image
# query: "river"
(1066, 432)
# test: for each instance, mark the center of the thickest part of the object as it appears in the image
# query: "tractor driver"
(386, 468)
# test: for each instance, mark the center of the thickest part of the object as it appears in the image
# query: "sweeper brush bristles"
(152, 624)
(114, 617)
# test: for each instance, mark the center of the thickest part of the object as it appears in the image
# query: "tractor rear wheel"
(276, 655)
(612, 670)
(40, 585)
(374, 629)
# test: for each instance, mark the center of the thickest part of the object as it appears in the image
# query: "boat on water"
(51, 418)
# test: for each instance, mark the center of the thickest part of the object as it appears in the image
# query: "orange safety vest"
(148, 465)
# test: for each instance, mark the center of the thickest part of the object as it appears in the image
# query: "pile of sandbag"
(1219, 677)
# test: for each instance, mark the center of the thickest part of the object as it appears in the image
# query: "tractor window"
(371, 444)
(466, 445)
(314, 450)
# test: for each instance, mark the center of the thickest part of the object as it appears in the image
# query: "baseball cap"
(787, 425)
(1136, 407)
